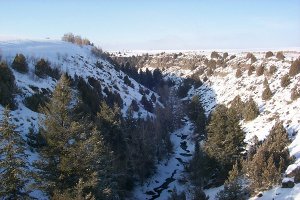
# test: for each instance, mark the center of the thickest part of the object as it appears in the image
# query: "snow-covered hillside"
(69, 58)
(222, 86)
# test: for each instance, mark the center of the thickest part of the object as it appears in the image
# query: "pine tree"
(225, 138)
(73, 151)
(14, 174)
(197, 114)
(238, 105)
(271, 175)
(251, 110)
(232, 187)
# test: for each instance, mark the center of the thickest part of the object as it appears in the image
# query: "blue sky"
(153, 24)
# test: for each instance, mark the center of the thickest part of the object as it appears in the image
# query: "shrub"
(269, 54)
(20, 64)
(238, 73)
(232, 57)
(252, 57)
(295, 68)
(260, 70)
(267, 93)
(7, 85)
(225, 55)
(35, 101)
(285, 80)
(215, 54)
(295, 93)
(280, 55)
(251, 110)
(251, 70)
(42, 68)
(212, 64)
(127, 81)
(134, 105)
(209, 71)
(96, 51)
(69, 37)
(272, 69)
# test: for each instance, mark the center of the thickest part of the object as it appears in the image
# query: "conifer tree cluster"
(265, 167)
(14, 173)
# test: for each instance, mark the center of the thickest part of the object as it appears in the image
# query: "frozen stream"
(170, 173)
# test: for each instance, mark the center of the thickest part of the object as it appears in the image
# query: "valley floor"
(171, 172)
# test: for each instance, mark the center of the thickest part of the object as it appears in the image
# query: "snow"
(223, 86)
(171, 170)
(279, 193)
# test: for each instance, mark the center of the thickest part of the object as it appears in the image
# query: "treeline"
(76, 39)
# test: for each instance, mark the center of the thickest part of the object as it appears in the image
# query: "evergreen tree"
(72, 152)
(225, 138)
(232, 187)
(20, 64)
(14, 174)
(7, 85)
(238, 105)
(197, 115)
(267, 93)
(251, 110)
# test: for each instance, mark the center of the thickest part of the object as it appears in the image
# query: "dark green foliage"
(271, 159)
(147, 104)
(127, 81)
(238, 105)
(269, 54)
(225, 138)
(285, 80)
(134, 105)
(280, 55)
(200, 166)
(186, 85)
(72, 150)
(43, 69)
(197, 114)
(251, 110)
(199, 194)
(176, 196)
(295, 68)
(36, 100)
(232, 187)
(14, 174)
(20, 64)
(7, 85)
(90, 94)
(267, 93)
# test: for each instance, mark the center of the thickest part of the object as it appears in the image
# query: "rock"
(259, 194)
(288, 184)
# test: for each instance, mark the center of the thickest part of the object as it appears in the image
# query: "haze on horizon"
(165, 25)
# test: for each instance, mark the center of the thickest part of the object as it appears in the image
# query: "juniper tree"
(267, 93)
(14, 174)
(72, 152)
(232, 187)
(225, 138)
(251, 110)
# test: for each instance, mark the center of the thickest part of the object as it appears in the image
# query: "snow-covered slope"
(70, 58)
(223, 85)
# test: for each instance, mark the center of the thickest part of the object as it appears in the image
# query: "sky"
(157, 25)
